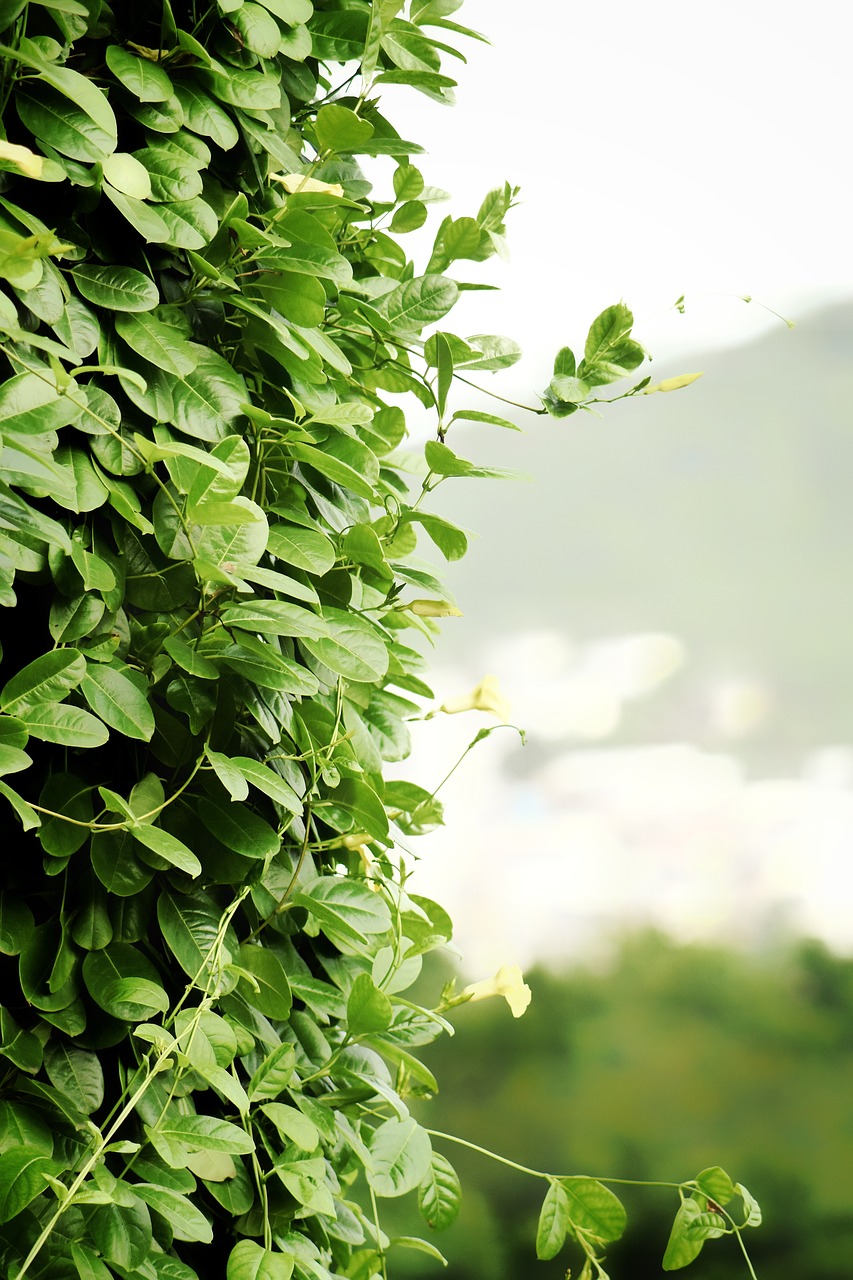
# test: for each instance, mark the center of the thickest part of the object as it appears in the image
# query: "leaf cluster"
(208, 537)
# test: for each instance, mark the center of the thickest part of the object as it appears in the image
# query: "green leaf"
(191, 929)
(16, 924)
(345, 909)
(439, 1193)
(22, 1048)
(192, 224)
(158, 343)
(205, 116)
(269, 782)
(353, 648)
(249, 1261)
(270, 991)
(444, 462)
(26, 814)
(46, 679)
(682, 1247)
(77, 88)
(400, 1153)
(188, 657)
(116, 288)
(606, 331)
(358, 800)
(145, 79)
(553, 1222)
(122, 1232)
(409, 217)
(206, 1133)
(77, 1073)
(228, 774)
(275, 617)
(716, 1184)
(341, 130)
(418, 302)
(593, 1207)
(451, 541)
(474, 415)
(274, 1074)
(89, 1265)
(31, 405)
(116, 865)
(22, 1178)
(368, 1009)
(186, 1221)
(418, 1246)
(65, 725)
(569, 390)
(751, 1206)
(124, 982)
(302, 548)
(292, 1125)
(13, 760)
(167, 847)
(118, 701)
(141, 216)
(208, 401)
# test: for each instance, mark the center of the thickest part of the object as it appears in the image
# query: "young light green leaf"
(594, 1207)
(716, 1184)
(292, 1125)
(553, 1222)
(439, 1193)
(368, 1009)
(250, 1261)
(274, 1074)
(682, 1247)
(206, 1133)
(400, 1152)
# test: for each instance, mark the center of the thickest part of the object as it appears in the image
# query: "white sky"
(662, 149)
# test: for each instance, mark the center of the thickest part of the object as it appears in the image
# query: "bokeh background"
(667, 606)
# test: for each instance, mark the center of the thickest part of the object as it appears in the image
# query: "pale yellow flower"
(507, 982)
(432, 609)
(299, 182)
(486, 696)
(673, 384)
(22, 157)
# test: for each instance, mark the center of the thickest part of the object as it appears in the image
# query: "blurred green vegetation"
(676, 1058)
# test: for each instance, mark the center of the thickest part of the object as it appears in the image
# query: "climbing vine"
(212, 640)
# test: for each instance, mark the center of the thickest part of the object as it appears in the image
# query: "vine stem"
(746, 1256)
(106, 1139)
(551, 1177)
(492, 1155)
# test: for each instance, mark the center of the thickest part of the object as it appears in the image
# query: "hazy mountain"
(721, 514)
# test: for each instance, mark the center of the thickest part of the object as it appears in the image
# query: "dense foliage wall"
(208, 537)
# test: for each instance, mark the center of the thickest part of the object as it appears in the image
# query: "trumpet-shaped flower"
(507, 982)
(486, 696)
(22, 158)
(299, 183)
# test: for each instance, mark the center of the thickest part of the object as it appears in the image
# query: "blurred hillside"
(721, 514)
(674, 1059)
